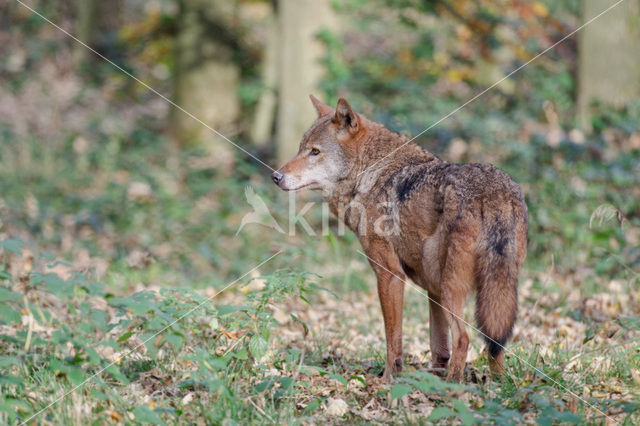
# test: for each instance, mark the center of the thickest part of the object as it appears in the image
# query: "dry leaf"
(229, 334)
(337, 407)
(635, 373)
(187, 398)
(115, 416)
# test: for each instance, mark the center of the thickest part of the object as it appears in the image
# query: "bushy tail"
(497, 288)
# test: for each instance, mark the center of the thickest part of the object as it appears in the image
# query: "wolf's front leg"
(390, 290)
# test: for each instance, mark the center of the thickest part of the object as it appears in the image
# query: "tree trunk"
(206, 78)
(96, 22)
(300, 68)
(86, 23)
(609, 56)
(262, 127)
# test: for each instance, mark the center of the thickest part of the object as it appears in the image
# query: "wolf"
(451, 228)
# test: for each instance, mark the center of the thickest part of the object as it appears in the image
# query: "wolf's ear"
(346, 118)
(320, 107)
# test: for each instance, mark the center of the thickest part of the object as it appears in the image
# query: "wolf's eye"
(315, 151)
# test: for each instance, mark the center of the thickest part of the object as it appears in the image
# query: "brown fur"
(451, 228)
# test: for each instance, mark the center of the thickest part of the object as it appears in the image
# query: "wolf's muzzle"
(277, 177)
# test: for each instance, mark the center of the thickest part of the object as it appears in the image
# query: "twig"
(260, 410)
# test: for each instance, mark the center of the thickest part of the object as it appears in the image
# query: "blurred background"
(104, 172)
(119, 211)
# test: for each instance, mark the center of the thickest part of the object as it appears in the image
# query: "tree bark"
(609, 56)
(205, 76)
(300, 68)
(86, 23)
(261, 130)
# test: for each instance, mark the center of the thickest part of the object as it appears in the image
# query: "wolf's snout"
(277, 177)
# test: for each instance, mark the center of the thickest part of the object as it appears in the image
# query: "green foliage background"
(74, 298)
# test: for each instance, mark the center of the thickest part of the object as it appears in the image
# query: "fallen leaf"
(229, 334)
(337, 407)
(187, 398)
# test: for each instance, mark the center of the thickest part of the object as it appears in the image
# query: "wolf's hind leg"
(496, 363)
(456, 281)
(454, 303)
(438, 333)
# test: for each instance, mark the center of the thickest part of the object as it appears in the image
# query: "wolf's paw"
(455, 375)
(438, 371)
(387, 376)
(392, 370)
(440, 362)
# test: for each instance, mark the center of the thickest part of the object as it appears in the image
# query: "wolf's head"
(328, 150)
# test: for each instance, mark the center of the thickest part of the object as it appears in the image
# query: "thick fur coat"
(453, 229)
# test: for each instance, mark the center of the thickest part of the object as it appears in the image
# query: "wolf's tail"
(497, 287)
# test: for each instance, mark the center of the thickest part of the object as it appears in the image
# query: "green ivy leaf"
(101, 396)
(440, 413)
(9, 315)
(400, 390)
(174, 340)
(117, 374)
(7, 295)
(54, 284)
(566, 416)
(145, 415)
(286, 382)
(463, 413)
(339, 378)
(11, 380)
(257, 346)
(125, 336)
(8, 361)
(265, 384)
(12, 245)
(241, 354)
(75, 376)
(313, 405)
(139, 303)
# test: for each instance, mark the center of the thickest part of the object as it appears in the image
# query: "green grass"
(282, 349)
(231, 360)
(301, 340)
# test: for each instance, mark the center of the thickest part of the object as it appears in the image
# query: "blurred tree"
(206, 76)
(96, 22)
(262, 127)
(609, 57)
(86, 24)
(417, 60)
(300, 68)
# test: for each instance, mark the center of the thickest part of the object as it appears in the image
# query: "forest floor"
(280, 348)
(115, 241)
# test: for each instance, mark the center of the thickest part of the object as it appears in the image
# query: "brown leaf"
(229, 334)
(115, 416)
